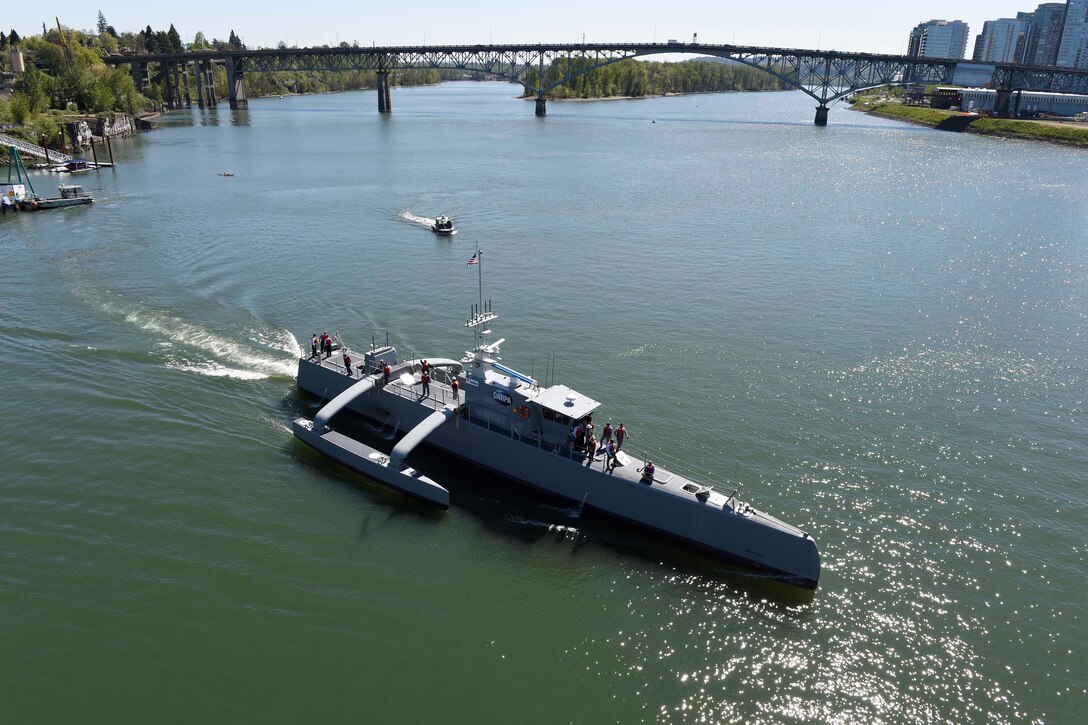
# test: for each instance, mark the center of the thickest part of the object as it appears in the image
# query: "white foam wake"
(265, 352)
(408, 216)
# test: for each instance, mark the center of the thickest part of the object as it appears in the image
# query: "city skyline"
(846, 25)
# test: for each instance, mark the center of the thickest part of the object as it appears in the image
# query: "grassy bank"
(1074, 135)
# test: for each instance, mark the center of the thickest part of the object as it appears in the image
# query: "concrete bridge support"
(1002, 102)
(821, 115)
(236, 84)
(385, 103)
(541, 106)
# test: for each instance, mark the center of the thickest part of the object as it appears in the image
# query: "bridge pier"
(821, 115)
(1002, 102)
(140, 77)
(385, 103)
(208, 71)
(199, 84)
(171, 85)
(236, 84)
(541, 106)
(185, 85)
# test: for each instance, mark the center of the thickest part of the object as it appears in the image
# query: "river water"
(878, 330)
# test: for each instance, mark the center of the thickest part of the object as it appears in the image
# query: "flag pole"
(480, 275)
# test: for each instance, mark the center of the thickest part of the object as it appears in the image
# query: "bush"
(19, 107)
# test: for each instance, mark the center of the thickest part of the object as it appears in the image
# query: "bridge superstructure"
(825, 75)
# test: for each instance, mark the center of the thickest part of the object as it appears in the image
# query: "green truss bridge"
(825, 75)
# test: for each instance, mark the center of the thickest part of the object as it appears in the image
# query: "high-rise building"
(1002, 40)
(1073, 52)
(1044, 34)
(939, 39)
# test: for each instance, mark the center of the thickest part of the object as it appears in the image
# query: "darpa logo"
(503, 398)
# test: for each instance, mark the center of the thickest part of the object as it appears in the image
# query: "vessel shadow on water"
(483, 412)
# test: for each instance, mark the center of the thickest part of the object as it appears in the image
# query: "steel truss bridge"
(826, 76)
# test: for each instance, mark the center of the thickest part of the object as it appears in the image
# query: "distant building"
(1073, 52)
(1044, 34)
(939, 39)
(1002, 40)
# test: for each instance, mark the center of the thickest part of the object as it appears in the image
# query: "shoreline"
(1073, 134)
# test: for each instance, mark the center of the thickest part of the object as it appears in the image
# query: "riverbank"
(1069, 135)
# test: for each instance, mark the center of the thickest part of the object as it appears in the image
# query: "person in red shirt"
(426, 380)
(606, 434)
(621, 435)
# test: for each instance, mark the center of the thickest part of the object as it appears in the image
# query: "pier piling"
(541, 106)
(821, 115)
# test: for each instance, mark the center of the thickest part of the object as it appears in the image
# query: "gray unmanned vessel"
(479, 410)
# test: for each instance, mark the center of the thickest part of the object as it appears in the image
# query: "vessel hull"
(752, 538)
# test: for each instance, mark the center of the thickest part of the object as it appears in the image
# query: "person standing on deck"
(386, 370)
(347, 364)
(621, 435)
(426, 380)
(313, 346)
(455, 386)
(425, 366)
(591, 450)
(610, 461)
(606, 434)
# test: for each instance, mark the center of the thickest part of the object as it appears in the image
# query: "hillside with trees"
(634, 78)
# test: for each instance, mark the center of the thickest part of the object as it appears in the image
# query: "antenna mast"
(481, 314)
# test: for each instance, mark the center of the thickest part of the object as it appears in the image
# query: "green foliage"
(272, 84)
(46, 128)
(634, 79)
(73, 78)
(37, 87)
(19, 107)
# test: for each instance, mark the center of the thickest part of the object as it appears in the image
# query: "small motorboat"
(225, 173)
(443, 225)
(70, 195)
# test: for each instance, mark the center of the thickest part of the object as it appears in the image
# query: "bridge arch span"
(824, 75)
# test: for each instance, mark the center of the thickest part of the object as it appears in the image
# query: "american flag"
(475, 258)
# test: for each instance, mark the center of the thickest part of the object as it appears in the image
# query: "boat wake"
(263, 353)
(561, 531)
(408, 216)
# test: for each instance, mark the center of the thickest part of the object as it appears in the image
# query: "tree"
(14, 37)
(37, 87)
(20, 108)
(174, 39)
(199, 41)
(102, 24)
